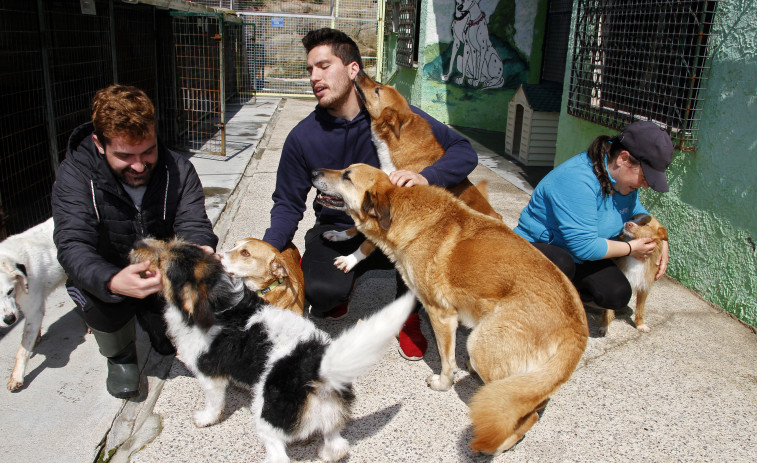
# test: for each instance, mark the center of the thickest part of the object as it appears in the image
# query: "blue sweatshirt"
(324, 141)
(567, 209)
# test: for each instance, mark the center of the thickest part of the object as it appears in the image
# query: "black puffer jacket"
(96, 222)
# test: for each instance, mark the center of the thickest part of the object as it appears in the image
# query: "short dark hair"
(341, 44)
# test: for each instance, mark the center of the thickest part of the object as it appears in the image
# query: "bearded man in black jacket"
(118, 184)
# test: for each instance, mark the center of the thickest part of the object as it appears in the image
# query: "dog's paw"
(334, 235)
(445, 77)
(439, 382)
(15, 384)
(643, 328)
(345, 263)
(279, 458)
(603, 330)
(334, 450)
(204, 418)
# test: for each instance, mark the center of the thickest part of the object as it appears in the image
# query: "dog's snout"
(316, 173)
(9, 319)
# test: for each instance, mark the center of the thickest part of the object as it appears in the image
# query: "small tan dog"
(639, 273)
(404, 141)
(528, 324)
(275, 276)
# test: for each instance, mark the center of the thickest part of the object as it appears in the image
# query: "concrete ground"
(687, 391)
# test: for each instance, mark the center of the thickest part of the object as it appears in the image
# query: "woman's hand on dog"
(407, 178)
(641, 248)
(130, 281)
(662, 262)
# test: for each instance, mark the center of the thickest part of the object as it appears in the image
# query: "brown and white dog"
(275, 276)
(300, 378)
(404, 141)
(640, 273)
(528, 324)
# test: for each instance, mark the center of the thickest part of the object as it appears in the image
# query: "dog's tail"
(503, 410)
(356, 350)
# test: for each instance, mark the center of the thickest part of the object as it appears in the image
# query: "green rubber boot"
(120, 349)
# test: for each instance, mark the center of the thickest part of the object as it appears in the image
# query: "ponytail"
(604, 146)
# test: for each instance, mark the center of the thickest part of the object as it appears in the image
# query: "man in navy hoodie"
(335, 135)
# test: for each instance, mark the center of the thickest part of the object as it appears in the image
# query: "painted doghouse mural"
(477, 55)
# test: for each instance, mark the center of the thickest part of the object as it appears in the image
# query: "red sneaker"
(337, 312)
(412, 343)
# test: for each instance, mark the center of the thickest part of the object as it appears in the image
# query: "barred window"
(641, 60)
(408, 32)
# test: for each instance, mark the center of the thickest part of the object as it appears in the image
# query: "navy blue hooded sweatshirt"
(324, 141)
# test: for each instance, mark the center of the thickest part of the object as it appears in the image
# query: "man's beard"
(143, 180)
(335, 99)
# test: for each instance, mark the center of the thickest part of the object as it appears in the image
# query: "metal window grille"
(406, 41)
(641, 60)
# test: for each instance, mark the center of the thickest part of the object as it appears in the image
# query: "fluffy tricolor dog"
(640, 273)
(301, 380)
(528, 324)
(404, 141)
(29, 272)
(275, 276)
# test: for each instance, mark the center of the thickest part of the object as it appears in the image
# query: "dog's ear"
(390, 119)
(377, 205)
(15, 271)
(195, 302)
(278, 270)
(22, 277)
(662, 233)
(147, 249)
(642, 219)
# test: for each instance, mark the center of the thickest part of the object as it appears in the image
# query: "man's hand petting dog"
(407, 178)
(136, 280)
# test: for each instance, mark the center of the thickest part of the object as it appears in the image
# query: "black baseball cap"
(651, 145)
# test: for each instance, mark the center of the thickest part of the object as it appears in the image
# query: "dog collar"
(480, 18)
(267, 290)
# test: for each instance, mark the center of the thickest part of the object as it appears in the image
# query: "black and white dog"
(29, 272)
(301, 379)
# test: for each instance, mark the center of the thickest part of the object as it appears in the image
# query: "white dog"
(480, 63)
(29, 272)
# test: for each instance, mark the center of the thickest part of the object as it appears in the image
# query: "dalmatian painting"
(473, 55)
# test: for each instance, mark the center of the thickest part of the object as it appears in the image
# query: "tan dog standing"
(529, 326)
(404, 141)
(275, 276)
(640, 273)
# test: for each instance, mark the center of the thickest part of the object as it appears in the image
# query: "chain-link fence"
(56, 56)
(196, 65)
(276, 55)
(211, 77)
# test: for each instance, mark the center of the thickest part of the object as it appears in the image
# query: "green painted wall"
(516, 29)
(710, 209)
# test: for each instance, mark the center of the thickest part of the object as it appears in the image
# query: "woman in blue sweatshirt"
(334, 136)
(578, 210)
